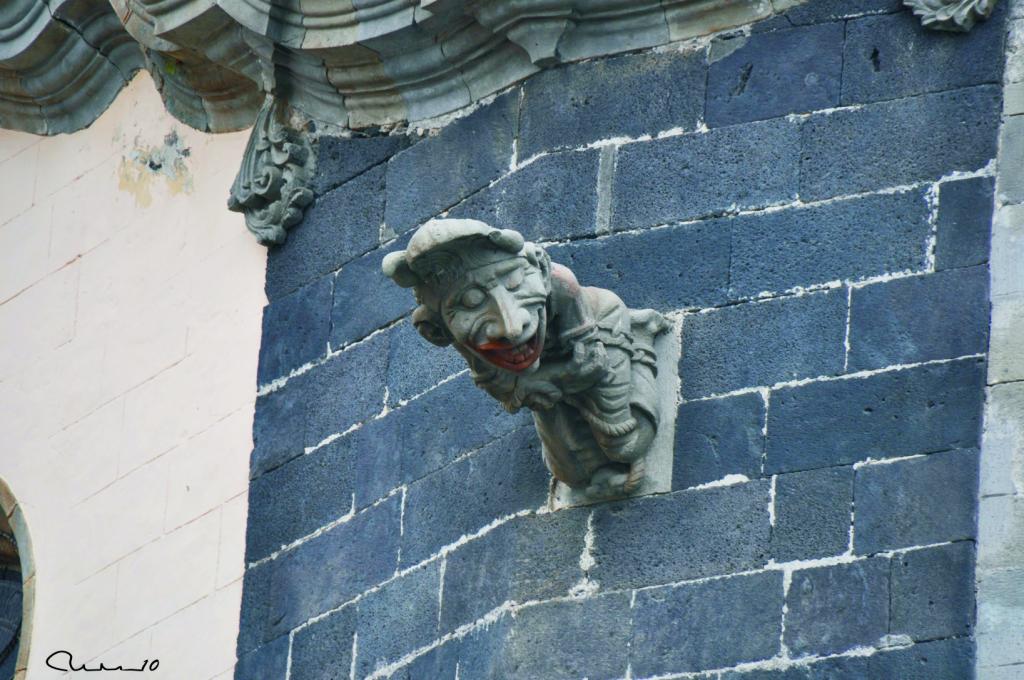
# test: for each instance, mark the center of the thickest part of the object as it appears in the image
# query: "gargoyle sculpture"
(576, 356)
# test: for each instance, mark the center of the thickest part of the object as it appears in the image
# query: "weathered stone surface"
(901, 413)
(1001, 532)
(295, 329)
(339, 226)
(358, 282)
(299, 497)
(440, 171)
(572, 106)
(323, 650)
(922, 318)
(753, 83)
(964, 223)
(529, 558)
(835, 608)
(340, 159)
(933, 592)
(685, 266)
(414, 365)
(699, 533)
(1000, 611)
(840, 668)
(716, 438)
(279, 425)
(667, 180)
(693, 627)
(327, 571)
(1010, 184)
(504, 477)
(269, 662)
(913, 502)
(938, 660)
(399, 618)
(762, 343)
(1007, 355)
(812, 514)
(851, 239)
(892, 56)
(346, 389)
(831, 10)
(1002, 451)
(895, 143)
(425, 435)
(568, 640)
(564, 183)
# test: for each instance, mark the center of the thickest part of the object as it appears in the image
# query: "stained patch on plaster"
(143, 166)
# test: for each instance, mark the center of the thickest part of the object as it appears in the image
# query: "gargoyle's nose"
(509, 319)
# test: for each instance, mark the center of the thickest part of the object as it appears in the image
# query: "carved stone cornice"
(951, 15)
(272, 186)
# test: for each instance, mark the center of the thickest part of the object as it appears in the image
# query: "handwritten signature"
(147, 665)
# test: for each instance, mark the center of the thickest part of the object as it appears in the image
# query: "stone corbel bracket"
(951, 15)
(271, 188)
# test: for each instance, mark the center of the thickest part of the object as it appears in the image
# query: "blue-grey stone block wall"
(811, 200)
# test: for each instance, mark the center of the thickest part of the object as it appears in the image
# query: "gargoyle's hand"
(588, 365)
(538, 395)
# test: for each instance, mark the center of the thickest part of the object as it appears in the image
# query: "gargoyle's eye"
(472, 298)
(514, 279)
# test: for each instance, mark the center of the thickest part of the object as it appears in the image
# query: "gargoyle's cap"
(438, 233)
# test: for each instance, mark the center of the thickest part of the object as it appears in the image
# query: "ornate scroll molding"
(577, 357)
(951, 15)
(271, 187)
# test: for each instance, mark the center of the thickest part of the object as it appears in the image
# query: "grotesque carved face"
(497, 311)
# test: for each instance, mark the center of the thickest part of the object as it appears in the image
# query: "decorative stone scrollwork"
(533, 337)
(271, 186)
(951, 15)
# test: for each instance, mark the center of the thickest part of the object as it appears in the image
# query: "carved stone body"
(533, 337)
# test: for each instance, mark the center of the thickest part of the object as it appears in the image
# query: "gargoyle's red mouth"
(515, 358)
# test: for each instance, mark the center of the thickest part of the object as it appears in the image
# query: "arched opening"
(17, 585)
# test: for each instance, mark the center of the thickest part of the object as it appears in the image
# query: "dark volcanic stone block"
(425, 435)
(415, 365)
(564, 183)
(938, 316)
(504, 477)
(679, 178)
(569, 640)
(916, 502)
(933, 592)
(341, 225)
(762, 343)
(366, 300)
(718, 437)
(887, 57)
(685, 266)
(399, 618)
(901, 413)
(269, 662)
(323, 650)
(339, 159)
(965, 223)
(938, 660)
(895, 143)
(440, 171)
(754, 83)
(254, 626)
(713, 624)
(852, 239)
(295, 329)
(832, 609)
(812, 514)
(327, 571)
(840, 668)
(279, 425)
(347, 389)
(683, 535)
(298, 498)
(529, 558)
(577, 104)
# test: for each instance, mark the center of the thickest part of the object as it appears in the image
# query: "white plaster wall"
(130, 307)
